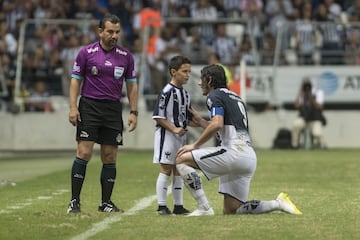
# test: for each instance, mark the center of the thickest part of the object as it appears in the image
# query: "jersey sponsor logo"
(84, 134)
(76, 68)
(118, 72)
(121, 52)
(108, 63)
(92, 50)
(94, 70)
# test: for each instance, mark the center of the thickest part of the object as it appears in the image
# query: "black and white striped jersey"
(173, 105)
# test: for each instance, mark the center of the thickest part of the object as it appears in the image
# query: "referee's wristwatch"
(135, 112)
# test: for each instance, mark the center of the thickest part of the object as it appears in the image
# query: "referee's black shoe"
(74, 206)
(180, 210)
(109, 206)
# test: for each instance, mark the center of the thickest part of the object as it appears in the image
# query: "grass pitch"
(325, 185)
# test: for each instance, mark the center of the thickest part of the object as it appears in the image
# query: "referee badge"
(94, 70)
(118, 72)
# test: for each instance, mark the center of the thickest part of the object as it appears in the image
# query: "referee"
(100, 70)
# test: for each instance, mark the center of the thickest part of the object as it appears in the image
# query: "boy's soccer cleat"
(109, 207)
(164, 211)
(287, 205)
(180, 210)
(201, 212)
(74, 206)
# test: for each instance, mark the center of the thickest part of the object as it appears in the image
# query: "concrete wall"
(52, 131)
(341, 131)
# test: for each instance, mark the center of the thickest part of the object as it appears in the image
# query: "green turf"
(324, 184)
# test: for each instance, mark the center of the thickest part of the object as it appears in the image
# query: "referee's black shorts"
(101, 121)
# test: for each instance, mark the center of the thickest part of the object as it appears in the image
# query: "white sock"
(257, 207)
(161, 188)
(193, 182)
(177, 190)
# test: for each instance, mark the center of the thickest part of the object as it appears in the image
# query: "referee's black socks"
(77, 177)
(107, 179)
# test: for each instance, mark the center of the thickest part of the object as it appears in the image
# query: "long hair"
(214, 74)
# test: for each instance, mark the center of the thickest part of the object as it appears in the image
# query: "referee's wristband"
(135, 112)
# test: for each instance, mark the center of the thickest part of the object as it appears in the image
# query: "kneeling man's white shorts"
(234, 168)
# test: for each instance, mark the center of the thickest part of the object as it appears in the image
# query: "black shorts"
(101, 121)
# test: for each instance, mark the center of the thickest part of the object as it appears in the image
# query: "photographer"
(310, 105)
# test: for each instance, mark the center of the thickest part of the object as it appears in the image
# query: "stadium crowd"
(313, 32)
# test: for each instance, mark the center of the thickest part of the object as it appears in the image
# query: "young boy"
(172, 117)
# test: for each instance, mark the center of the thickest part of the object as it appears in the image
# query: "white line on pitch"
(29, 201)
(104, 224)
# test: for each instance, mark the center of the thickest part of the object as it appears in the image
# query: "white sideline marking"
(101, 226)
(29, 201)
(104, 224)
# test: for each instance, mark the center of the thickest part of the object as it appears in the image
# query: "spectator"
(304, 39)
(182, 28)
(252, 12)
(195, 47)
(57, 10)
(38, 101)
(309, 103)
(69, 8)
(68, 56)
(40, 64)
(247, 51)
(268, 50)
(333, 9)
(83, 10)
(55, 73)
(144, 69)
(298, 5)
(232, 8)
(353, 11)
(352, 46)
(165, 49)
(14, 10)
(331, 34)
(215, 59)
(224, 46)
(279, 12)
(147, 16)
(42, 10)
(8, 43)
(154, 66)
(121, 9)
(100, 8)
(9, 69)
(204, 11)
